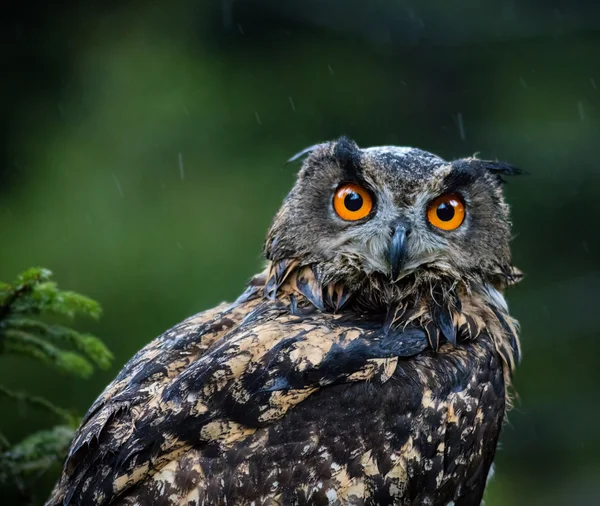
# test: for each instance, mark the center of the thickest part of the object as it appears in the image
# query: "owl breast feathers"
(367, 365)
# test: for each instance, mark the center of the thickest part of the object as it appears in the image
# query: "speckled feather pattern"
(274, 401)
(326, 382)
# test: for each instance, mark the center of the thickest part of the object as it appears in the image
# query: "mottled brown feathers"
(449, 313)
(219, 408)
(327, 382)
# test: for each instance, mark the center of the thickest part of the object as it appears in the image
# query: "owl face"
(394, 211)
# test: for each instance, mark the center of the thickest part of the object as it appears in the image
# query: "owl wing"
(217, 378)
(426, 435)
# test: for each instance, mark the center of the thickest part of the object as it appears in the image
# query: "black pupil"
(353, 202)
(445, 211)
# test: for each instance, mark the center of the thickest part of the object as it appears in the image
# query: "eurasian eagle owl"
(367, 365)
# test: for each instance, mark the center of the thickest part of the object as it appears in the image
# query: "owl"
(368, 364)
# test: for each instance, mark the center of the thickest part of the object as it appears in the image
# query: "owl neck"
(450, 311)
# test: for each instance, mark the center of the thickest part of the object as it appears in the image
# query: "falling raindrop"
(181, 169)
(461, 126)
(258, 118)
(581, 110)
(523, 82)
(330, 70)
(118, 185)
(292, 104)
(593, 81)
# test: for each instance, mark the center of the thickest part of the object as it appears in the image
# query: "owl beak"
(396, 255)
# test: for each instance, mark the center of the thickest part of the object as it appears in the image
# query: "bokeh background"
(142, 158)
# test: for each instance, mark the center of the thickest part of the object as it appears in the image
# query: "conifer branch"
(39, 402)
(25, 330)
(4, 442)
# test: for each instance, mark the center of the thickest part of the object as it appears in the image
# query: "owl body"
(367, 365)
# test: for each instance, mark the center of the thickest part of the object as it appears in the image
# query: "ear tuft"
(305, 152)
(498, 168)
(347, 154)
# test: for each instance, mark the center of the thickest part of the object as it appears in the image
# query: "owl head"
(388, 213)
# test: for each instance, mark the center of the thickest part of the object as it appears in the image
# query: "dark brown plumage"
(368, 365)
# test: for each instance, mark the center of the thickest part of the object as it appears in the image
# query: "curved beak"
(396, 255)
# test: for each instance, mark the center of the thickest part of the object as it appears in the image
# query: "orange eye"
(446, 212)
(352, 202)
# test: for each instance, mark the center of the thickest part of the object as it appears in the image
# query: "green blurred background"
(142, 158)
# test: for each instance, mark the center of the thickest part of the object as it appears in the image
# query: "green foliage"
(28, 309)
(35, 454)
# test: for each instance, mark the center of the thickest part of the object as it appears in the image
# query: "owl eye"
(446, 212)
(352, 202)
